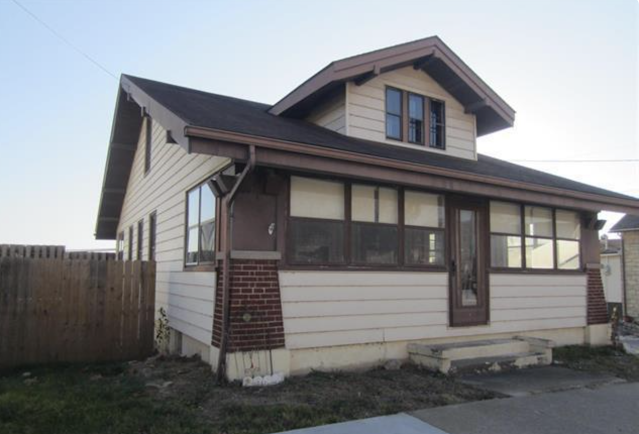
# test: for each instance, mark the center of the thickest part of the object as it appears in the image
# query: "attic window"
(437, 124)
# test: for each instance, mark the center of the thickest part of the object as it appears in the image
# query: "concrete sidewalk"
(608, 409)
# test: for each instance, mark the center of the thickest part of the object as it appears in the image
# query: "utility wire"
(630, 160)
(63, 39)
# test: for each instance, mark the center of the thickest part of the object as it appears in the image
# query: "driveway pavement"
(604, 410)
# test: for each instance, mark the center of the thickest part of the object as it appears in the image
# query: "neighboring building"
(611, 274)
(628, 227)
(351, 218)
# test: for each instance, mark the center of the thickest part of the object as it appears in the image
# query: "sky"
(569, 68)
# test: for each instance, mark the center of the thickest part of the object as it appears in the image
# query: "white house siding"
(187, 296)
(611, 275)
(330, 308)
(331, 114)
(365, 109)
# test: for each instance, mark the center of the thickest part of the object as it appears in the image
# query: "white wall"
(365, 111)
(330, 114)
(329, 308)
(187, 296)
(611, 275)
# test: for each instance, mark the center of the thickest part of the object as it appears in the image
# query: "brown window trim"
(200, 266)
(524, 269)
(348, 264)
(402, 115)
(405, 119)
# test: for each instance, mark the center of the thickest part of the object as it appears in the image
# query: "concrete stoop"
(484, 355)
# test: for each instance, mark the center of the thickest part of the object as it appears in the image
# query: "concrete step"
(471, 349)
(489, 354)
(499, 363)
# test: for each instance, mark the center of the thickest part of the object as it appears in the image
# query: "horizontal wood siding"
(325, 308)
(330, 114)
(188, 297)
(366, 111)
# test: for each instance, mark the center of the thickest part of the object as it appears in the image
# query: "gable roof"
(430, 55)
(627, 223)
(180, 110)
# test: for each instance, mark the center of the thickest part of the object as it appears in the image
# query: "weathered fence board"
(74, 310)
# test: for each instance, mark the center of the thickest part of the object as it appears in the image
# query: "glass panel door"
(468, 258)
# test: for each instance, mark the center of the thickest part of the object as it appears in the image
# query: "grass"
(599, 359)
(116, 398)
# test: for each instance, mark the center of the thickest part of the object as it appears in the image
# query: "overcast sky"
(568, 67)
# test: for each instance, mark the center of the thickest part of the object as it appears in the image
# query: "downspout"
(227, 203)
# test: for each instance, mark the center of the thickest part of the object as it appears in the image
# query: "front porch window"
(550, 237)
(424, 221)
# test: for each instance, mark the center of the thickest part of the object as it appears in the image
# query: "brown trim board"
(292, 155)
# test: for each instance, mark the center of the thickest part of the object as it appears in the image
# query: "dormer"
(418, 95)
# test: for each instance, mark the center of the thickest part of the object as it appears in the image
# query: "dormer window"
(420, 121)
(394, 111)
(415, 118)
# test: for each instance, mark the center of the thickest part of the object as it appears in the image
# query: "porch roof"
(627, 223)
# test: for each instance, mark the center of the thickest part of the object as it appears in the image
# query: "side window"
(152, 235)
(130, 243)
(316, 225)
(148, 144)
(120, 251)
(140, 239)
(200, 225)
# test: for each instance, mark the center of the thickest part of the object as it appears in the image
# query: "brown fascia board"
(132, 103)
(383, 60)
(234, 145)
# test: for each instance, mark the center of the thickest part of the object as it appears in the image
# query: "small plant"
(162, 330)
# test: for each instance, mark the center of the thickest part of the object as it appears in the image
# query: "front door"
(468, 242)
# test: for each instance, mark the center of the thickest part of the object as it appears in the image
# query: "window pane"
(505, 251)
(539, 253)
(423, 209)
(468, 256)
(317, 242)
(316, 198)
(393, 126)
(191, 246)
(207, 241)
(207, 208)
(423, 247)
(436, 112)
(194, 206)
(437, 136)
(374, 204)
(393, 101)
(374, 244)
(538, 221)
(568, 224)
(568, 255)
(415, 118)
(505, 218)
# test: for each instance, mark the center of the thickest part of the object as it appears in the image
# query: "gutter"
(228, 204)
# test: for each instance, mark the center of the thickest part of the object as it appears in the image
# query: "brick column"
(597, 310)
(256, 308)
(631, 272)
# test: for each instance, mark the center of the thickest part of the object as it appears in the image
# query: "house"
(349, 220)
(628, 228)
(611, 274)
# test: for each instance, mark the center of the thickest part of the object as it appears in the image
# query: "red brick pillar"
(256, 307)
(597, 309)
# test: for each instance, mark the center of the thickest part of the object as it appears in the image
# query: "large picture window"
(534, 237)
(316, 228)
(200, 221)
(424, 220)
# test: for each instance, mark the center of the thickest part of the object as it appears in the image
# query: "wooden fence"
(52, 252)
(74, 310)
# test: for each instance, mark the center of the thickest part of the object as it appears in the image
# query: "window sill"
(317, 267)
(201, 268)
(533, 271)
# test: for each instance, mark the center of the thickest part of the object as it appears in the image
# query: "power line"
(629, 160)
(63, 39)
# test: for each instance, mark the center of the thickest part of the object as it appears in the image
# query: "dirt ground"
(315, 399)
